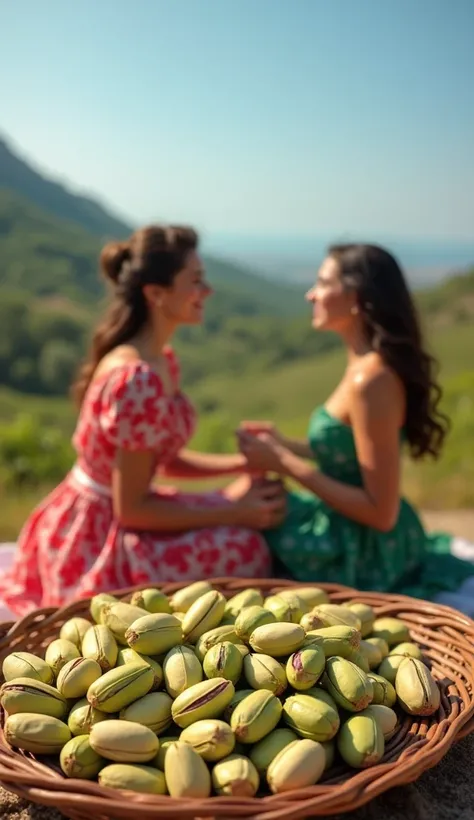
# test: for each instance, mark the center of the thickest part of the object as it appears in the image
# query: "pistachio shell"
(381, 644)
(360, 741)
(152, 710)
(255, 716)
(83, 717)
(119, 617)
(38, 734)
(123, 741)
(251, 617)
(358, 658)
(384, 691)
(184, 598)
(74, 630)
(392, 630)
(264, 672)
(223, 661)
(347, 684)
(312, 596)
(28, 695)
(59, 652)
(297, 601)
(311, 620)
(181, 669)
(203, 615)
(385, 717)
(76, 676)
(207, 699)
(235, 776)
(244, 650)
(246, 598)
(330, 752)
(128, 655)
(97, 604)
(312, 716)
(224, 632)
(417, 690)
(366, 615)
(186, 773)
(277, 639)
(239, 695)
(341, 641)
(100, 645)
(118, 688)
(285, 609)
(78, 759)
(129, 777)
(305, 667)
(334, 615)
(165, 743)
(153, 600)
(267, 749)
(154, 634)
(211, 739)
(389, 666)
(299, 764)
(372, 653)
(26, 665)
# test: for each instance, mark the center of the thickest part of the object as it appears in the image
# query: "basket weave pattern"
(447, 639)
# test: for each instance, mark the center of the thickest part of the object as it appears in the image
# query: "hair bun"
(112, 258)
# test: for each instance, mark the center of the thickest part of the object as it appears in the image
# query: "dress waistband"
(84, 480)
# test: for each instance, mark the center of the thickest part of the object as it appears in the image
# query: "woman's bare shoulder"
(374, 381)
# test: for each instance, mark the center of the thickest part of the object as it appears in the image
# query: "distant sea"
(296, 259)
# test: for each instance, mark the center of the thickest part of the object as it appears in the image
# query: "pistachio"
(255, 716)
(76, 676)
(181, 669)
(329, 748)
(59, 652)
(285, 609)
(154, 634)
(340, 641)
(119, 617)
(312, 716)
(74, 630)
(223, 661)
(184, 598)
(334, 615)
(165, 743)
(305, 667)
(264, 672)
(312, 596)
(251, 617)
(152, 710)
(26, 665)
(129, 777)
(347, 684)
(83, 717)
(235, 776)
(186, 773)
(100, 645)
(28, 695)
(130, 656)
(225, 632)
(239, 695)
(360, 741)
(417, 690)
(123, 741)
(381, 644)
(299, 764)
(297, 601)
(35, 733)
(372, 653)
(386, 718)
(359, 659)
(207, 699)
(118, 688)
(384, 692)
(392, 630)
(153, 600)
(211, 739)
(366, 616)
(277, 639)
(78, 759)
(389, 666)
(203, 615)
(311, 620)
(246, 598)
(267, 749)
(244, 650)
(97, 604)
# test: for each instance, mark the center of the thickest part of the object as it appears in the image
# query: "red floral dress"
(72, 546)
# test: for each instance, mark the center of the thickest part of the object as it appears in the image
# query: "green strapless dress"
(316, 543)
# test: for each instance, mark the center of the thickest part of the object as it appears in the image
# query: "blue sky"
(275, 117)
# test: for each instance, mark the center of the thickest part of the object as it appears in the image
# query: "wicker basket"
(447, 638)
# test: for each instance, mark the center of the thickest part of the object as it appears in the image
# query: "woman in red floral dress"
(104, 527)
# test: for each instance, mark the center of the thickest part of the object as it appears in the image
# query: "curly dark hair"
(392, 328)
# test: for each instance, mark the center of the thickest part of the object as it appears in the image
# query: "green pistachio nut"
(335, 615)
(392, 630)
(366, 616)
(128, 655)
(74, 630)
(123, 741)
(35, 733)
(372, 653)
(59, 652)
(389, 666)
(186, 772)
(296, 600)
(311, 716)
(384, 691)
(78, 759)
(152, 710)
(239, 695)
(153, 600)
(381, 644)
(330, 752)
(347, 684)
(76, 676)
(298, 765)
(28, 695)
(285, 609)
(129, 777)
(165, 743)
(264, 672)
(269, 747)
(154, 634)
(211, 739)
(97, 604)
(26, 665)
(417, 690)
(121, 686)
(244, 650)
(246, 598)
(223, 661)
(304, 668)
(181, 669)
(248, 620)
(255, 716)
(224, 632)
(203, 615)
(386, 718)
(311, 620)
(360, 741)
(312, 596)
(340, 641)
(207, 699)
(278, 639)
(235, 776)
(83, 717)
(184, 598)
(360, 659)
(118, 617)
(100, 645)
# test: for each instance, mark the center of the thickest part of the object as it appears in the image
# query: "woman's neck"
(153, 339)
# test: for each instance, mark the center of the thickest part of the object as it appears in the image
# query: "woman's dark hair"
(393, 330)
(152, 256)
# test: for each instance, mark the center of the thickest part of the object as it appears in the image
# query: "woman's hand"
(256, 427)
(262, 507)
(262, 451)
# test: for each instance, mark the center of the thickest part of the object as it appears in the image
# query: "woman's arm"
(377, 406)
(189, 464)
(298, 447)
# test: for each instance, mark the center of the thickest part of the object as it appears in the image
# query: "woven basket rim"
(448, 638)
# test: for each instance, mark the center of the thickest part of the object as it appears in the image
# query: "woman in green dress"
(349, 524)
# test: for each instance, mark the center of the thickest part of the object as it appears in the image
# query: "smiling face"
(183, 302)
(334, 304)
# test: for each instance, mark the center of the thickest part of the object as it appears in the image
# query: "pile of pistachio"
(193, 695)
